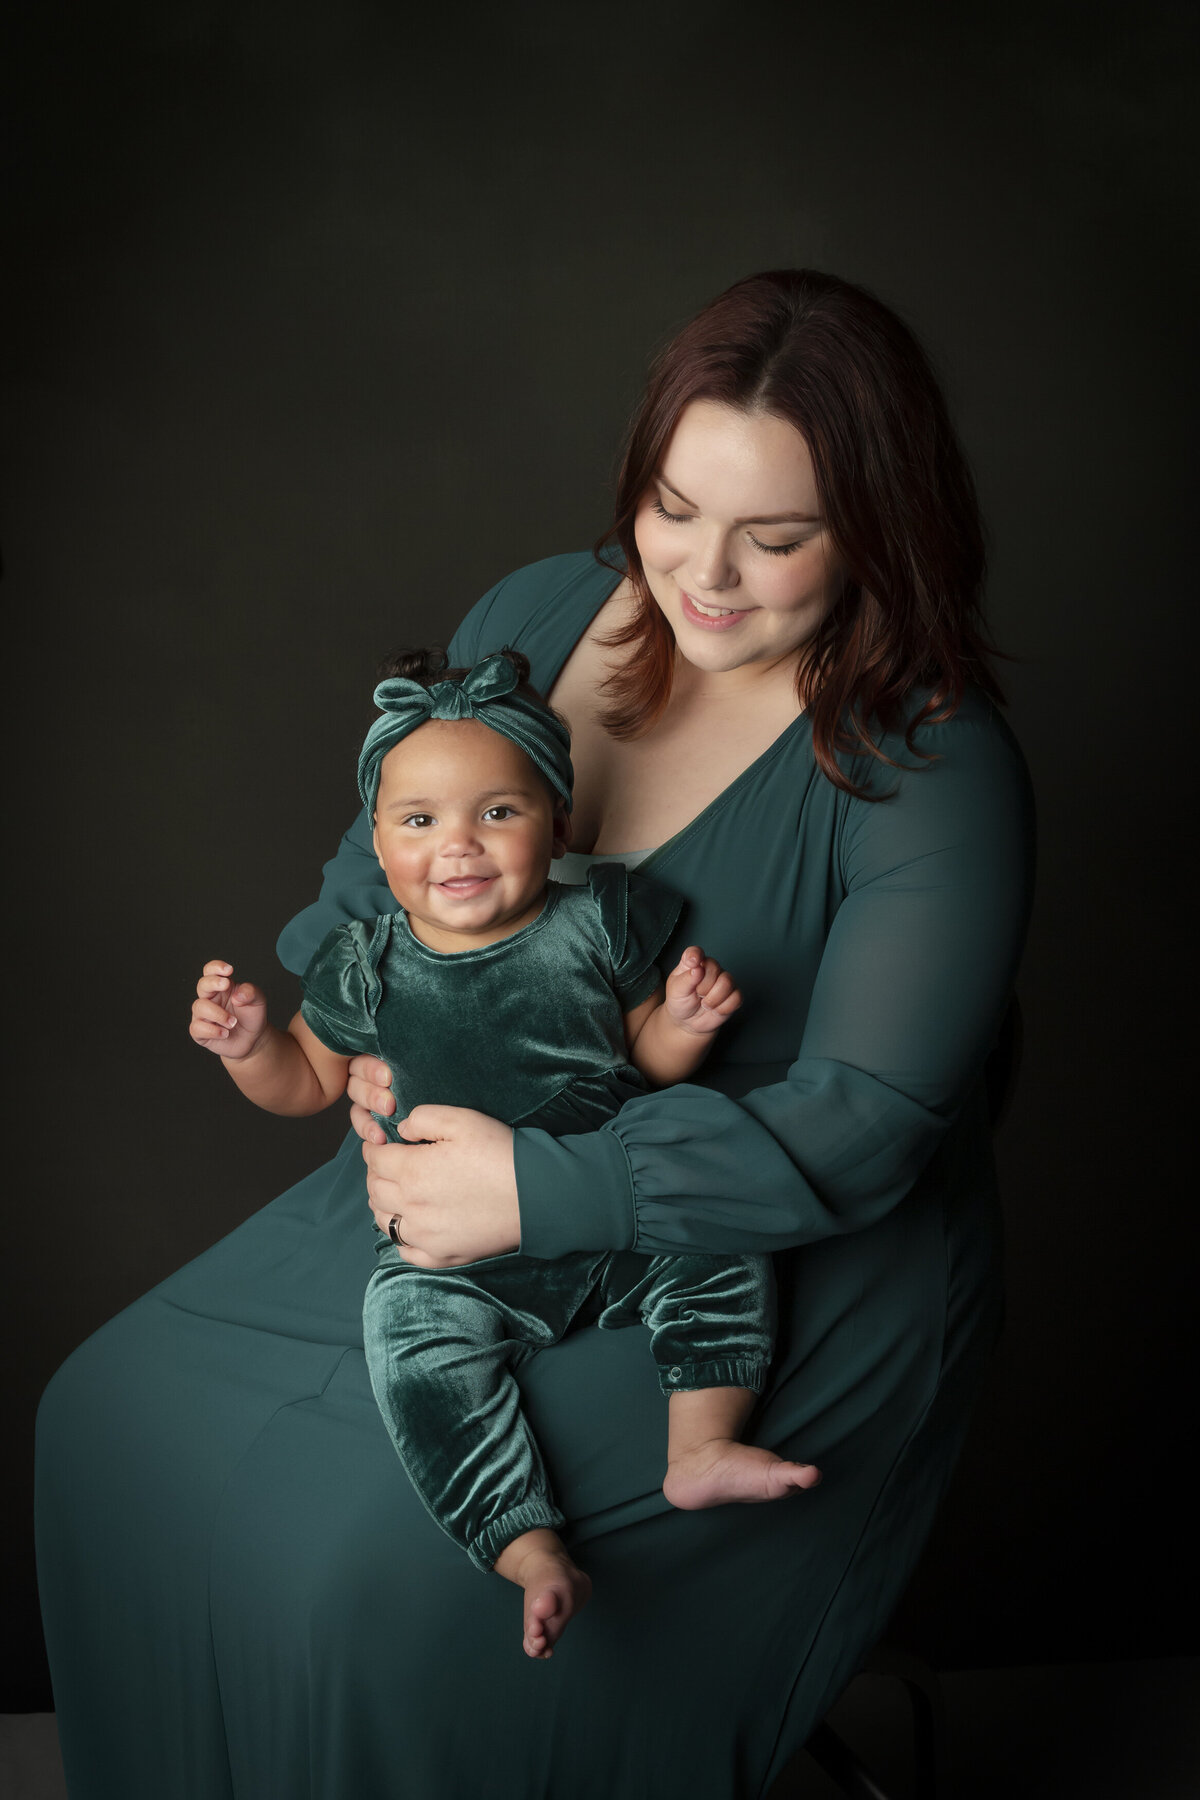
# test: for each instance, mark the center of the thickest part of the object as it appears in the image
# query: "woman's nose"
(712, 567)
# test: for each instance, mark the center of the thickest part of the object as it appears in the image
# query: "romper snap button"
(675, 1373)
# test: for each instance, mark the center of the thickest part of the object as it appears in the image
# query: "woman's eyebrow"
(793, 518)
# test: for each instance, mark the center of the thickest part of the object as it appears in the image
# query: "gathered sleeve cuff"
(593, 1169)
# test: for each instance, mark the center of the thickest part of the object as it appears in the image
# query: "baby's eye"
(419, 819)
(500, 812)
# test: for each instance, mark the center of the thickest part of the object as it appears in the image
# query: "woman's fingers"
(362, 1122)
(455, 1191)
(368, 1083)
(426, 1124)
(384, 1172)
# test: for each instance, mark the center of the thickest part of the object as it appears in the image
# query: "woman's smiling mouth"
(714, 617)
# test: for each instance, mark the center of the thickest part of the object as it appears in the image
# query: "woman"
(784, 696)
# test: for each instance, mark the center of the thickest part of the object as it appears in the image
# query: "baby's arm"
(669, 1034)
(289, 1071)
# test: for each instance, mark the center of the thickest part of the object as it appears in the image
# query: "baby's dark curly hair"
(432, 665)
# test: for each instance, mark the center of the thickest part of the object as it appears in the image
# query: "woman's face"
(733, 540)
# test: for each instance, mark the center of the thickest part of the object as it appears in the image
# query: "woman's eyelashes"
(768, 549)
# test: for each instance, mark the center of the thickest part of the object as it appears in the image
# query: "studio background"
(322, 317)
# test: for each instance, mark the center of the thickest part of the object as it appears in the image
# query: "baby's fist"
(227, 1019)
(700, 994)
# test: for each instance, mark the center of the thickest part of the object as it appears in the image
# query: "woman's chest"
(635, 794)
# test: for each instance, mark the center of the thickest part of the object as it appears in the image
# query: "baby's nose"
(460, 840)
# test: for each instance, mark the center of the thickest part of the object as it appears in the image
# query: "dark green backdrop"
(322, 316)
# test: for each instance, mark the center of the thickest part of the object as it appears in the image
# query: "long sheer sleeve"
(913, 983)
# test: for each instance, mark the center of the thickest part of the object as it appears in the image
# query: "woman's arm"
(914, 981)
(915, 978)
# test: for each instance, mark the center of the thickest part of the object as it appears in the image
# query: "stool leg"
(841, 1765)
(928, 1708)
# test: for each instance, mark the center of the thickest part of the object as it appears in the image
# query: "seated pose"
(783, 708)
(495, 987)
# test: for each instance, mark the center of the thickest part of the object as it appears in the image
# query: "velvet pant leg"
(711, 1318)
(442, 1346)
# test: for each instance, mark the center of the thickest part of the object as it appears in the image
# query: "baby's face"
(465, 830)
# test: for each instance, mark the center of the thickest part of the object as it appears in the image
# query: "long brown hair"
(897, 494)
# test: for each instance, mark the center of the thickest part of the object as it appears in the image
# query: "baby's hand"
(226, 1019)
(700, 996)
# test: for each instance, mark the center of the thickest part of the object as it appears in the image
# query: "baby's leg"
(439, 1348)
(555, 1588)
(707, 1463)
(712, 1322)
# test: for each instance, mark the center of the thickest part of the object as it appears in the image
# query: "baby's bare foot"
(723, 1469)
(554, 1588)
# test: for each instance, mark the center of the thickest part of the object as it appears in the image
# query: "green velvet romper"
(244, 1596)
(529, 1029)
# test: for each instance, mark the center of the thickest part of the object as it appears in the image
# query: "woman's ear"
(562, 829)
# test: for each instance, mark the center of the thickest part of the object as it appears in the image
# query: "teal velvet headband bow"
(487, 693)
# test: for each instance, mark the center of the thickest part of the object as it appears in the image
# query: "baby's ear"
(562, 829)
(375, 846)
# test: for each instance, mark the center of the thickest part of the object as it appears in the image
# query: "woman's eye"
(775, 549)
(499, 812)
(673, 518)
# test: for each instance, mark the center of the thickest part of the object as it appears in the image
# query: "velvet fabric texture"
(243, 1594)
(507, 1027)
(442, 1345)
(528, 1029)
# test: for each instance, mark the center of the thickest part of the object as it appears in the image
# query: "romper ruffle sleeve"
(637, 917)
(342, 989)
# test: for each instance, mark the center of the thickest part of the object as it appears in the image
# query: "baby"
(496, 988)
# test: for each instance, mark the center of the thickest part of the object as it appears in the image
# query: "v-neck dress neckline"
(728, 794)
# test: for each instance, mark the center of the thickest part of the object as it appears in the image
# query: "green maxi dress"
(244, 1597)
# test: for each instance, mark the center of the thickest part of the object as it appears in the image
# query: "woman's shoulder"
(975, 740)
(957, 781)
(515, 605)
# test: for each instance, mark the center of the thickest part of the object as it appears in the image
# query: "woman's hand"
(367, 1084)
(450, 1186)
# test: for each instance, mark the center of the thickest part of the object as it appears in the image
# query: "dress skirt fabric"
(253, 1601)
